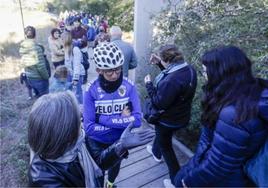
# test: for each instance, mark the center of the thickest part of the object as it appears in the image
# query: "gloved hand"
(130, 140)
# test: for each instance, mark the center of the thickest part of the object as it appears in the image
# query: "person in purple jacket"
(111, 103)
(78, 32)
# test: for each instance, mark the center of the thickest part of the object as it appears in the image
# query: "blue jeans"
(40, 87)
(77, 89)
(163, 146)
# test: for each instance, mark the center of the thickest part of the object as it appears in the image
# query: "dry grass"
(14, 150)
(14, 104)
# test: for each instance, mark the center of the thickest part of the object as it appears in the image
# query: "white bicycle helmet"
(108, 56)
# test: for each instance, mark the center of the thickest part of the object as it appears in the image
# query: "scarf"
(108, 86)
(90, 168)
(171, 68)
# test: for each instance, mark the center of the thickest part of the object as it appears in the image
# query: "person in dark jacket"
(234, 118)
(91, 34)
(61, 157)
(78, 32)
(172, 93)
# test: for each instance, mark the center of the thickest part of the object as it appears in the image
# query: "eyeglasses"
(110, 72)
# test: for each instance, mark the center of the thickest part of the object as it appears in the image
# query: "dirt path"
(14, 106)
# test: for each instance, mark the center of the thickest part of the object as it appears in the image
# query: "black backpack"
(47, 66)
(150, 113)
(85, 62)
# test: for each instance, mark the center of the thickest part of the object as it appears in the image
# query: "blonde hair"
(67, 42)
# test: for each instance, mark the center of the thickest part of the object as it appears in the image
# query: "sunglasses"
(110, 72)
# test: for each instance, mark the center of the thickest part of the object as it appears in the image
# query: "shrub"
(199, 25)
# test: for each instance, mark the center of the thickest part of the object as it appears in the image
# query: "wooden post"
(142, 27)
(22, 20)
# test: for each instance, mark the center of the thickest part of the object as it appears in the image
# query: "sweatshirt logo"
(122, 90)
(109, 107)
(99, 89)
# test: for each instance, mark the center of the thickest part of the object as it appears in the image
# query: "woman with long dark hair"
(234, 118)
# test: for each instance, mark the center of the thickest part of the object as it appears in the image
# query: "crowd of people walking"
(66, 153)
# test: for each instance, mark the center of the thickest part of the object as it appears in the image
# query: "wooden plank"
(135, 157)
(137, 149)
(157, 182)
(144, 177)
(136, 168)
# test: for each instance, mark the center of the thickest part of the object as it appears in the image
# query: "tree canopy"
(119, 12)
(199, 25)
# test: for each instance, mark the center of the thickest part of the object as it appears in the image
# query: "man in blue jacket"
(111, 103)
(91, 33)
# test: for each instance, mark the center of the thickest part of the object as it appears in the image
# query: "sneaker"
(149, 149)
(109, 185)
(168, 184)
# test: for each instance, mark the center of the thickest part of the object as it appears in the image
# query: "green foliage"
(95, 7)
(199, 25)
(122, 14)
(62, 5)
(119, 12)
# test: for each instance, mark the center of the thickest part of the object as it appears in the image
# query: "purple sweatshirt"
(107, 107)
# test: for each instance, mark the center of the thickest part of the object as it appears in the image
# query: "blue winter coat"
(91, 34)
(223, 151)
(174, 95)
(56, 86)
